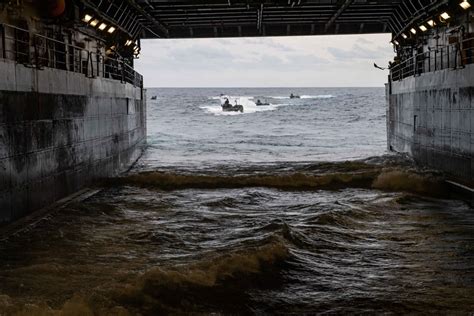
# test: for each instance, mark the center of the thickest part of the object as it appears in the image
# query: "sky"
(303, 61)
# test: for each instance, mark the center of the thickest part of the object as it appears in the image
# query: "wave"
(77, 305)
(216, 280)
(355, 119)
(389, 175)
(291, 181)
(348, 217)
(402, 180)
(322, 96)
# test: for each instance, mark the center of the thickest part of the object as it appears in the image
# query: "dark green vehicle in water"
(227, 107)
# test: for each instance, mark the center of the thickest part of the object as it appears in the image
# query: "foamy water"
(247, 102)
(322, 96)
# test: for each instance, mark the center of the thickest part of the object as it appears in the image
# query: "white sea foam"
(322, 96)
(230, 97)
(249, 106)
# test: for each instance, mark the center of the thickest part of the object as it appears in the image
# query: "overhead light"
(111, 29)
(404, 36)
(102, 26)
(395, 42)
(423, 28)
(445, 16)
(87, 18)
(465, 5)
(431, 23)
(413, 31)
(94, 23)
(128, 42)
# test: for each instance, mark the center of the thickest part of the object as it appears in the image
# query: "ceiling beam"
(157, 24)
(337, 14)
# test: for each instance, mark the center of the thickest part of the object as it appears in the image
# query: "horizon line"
(280, 87)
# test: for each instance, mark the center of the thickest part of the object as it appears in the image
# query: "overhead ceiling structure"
(232, 18)
(125, 15)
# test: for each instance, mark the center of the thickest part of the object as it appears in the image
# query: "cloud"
(195, 53)
(363, 40)
(356, 52)
(276, 61)
(279, 46)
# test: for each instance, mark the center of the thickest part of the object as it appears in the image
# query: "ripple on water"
(238, 248)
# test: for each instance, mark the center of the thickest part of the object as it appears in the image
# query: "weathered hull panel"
(59, 131)
(431, 117)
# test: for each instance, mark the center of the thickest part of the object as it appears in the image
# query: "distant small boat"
(292, 96)
(260, 103)
(233, 108)
(227, 107)
(153, 97)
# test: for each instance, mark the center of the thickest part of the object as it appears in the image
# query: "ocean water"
(291, 208)
(188, 127)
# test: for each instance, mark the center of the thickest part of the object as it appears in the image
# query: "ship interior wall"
(431, 118)
(59, 131)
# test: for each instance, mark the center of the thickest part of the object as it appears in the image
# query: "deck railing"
(452, 56)
(39, 51)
